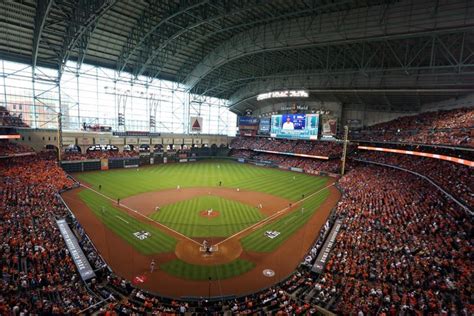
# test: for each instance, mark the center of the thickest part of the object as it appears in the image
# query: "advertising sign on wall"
(102, 140)
(156, 141)
(329, 126)
(264, 126)
(167, 141)
(82, 264)
(116, 141)
(131, 141)
(196, 123)
(323, 255)
(248, 125)
(104, 164)
(85, 141)
(69, 141)
(197, 141)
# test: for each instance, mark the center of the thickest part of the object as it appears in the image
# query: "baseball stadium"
(227, 157)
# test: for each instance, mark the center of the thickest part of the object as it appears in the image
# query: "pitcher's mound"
(209, 214)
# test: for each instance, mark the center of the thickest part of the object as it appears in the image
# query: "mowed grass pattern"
(121, 183)
(287, 225)
(184, 216)
(188, 271)
(125, 225)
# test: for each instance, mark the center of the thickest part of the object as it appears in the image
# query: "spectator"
(451, 127)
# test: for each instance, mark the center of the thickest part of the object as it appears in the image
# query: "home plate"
(268, 273)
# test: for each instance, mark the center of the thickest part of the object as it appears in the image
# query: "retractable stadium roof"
(398, 53)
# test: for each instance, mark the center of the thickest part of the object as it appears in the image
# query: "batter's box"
(142, 235)
(272, 234)
(210, 249)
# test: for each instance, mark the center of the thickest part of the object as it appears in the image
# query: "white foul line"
(263, 222)
(122, 219)
(138, 213)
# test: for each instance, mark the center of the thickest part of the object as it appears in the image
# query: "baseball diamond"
(176, 231)
(237, 157)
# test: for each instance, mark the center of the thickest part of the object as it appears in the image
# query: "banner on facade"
(167, 141)
(85, 141)
(196, 123)
(116, 141)
(156, 141)
(329, 126)
(102, 141)
(132, 141)
(69, 141)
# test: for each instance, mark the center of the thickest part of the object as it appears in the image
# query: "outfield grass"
(121, 183)
(184, 216)
(287, 225)
(125, 225)
(188, 271)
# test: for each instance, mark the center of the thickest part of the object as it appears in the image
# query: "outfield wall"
(134, 162)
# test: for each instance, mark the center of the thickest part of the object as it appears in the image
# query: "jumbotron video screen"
(295, 126)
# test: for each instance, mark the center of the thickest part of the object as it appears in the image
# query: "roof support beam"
(150, 21)
(351, 83)
(357, 25)
(392, 57)
(170, 35)
(83, 22)
(42, 10)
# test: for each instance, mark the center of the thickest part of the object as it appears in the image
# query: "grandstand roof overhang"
(344, 49)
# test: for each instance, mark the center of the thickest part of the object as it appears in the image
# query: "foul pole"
(344, 151)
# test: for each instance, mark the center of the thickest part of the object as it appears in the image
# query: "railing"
(93, 307)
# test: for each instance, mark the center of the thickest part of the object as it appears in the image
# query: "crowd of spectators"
(98, 155)
(330, 149)
(10, 120)
(280, 299)
(309, 165)
(453, 177)
(8, 148)
(403, 249)
(38, 275)
(444, 127)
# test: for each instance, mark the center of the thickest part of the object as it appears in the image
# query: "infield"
(161, 214)
(185, 216)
